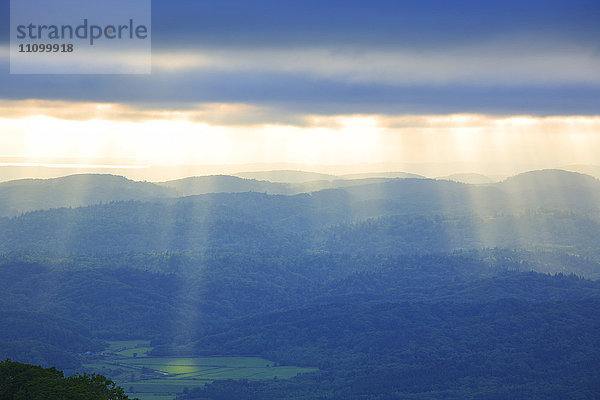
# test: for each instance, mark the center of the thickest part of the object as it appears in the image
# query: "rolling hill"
(286, 176)
(223, 184)
(74, 191)
(544, 208)
(470, 178)
(393, 288)
(392, 175)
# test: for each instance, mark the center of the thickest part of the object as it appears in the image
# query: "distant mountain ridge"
(554, 208)
(393, 175)
(232, 184)
(78, 190)
(286, 176)
(470, 178)
(223, 184)
(535, 189)
(74, 191)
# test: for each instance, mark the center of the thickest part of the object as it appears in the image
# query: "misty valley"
(304, 287)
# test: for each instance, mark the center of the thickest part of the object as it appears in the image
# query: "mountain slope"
(470, 178)
(286, 176)
(74, 191)
(392, 175)
(223, 184)
(413, 215)
(552, 189)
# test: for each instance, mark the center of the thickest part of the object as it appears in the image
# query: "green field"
(160, 378)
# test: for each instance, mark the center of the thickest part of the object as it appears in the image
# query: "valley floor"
(161, 378)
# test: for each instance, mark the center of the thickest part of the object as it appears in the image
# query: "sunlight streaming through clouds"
(181, 137)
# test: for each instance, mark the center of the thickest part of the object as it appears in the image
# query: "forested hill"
(395, 289)
(369, 195)
(24, 195)
(73, 191)
(228, 303)
(542, 210)
(509, 349)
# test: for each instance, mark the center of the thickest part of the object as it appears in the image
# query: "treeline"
(119, 229)
(44, 338)
(383, 385)
(404, 216)
(72, 303)
(504, 349)
(30, 382)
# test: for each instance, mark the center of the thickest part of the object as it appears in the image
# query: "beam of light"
(210, 113)
(81, 133)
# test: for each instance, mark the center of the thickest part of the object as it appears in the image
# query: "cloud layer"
(345, 57)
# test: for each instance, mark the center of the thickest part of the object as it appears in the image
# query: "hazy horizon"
(505, 87)
(45, 169)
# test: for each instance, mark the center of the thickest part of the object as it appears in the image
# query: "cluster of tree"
(116, 233)
(411, 215)
(504, 349)
(41, 353)
(423, 234)
(72, 303)
(393, 289)
(189, 224)
(30, 382)
(364, 321)
(386, 385)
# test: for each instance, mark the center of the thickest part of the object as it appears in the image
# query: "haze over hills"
(223, 184)
(550, 207)
(551, 178)
(286, 176)
(233, 184)
(553, 189)
(375, 280)
(73, 191)
(315, 186)
(87, 189)
(470, 178)
(12, 168)
(549, 188)
(381, 175)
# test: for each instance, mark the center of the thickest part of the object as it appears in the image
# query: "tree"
(29, 382)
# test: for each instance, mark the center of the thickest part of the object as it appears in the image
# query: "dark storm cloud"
(190, 27)
(302, 95)
(372, 23)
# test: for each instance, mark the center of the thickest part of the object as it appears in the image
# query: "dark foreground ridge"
(31, 382)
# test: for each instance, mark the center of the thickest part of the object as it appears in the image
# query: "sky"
(477, 83)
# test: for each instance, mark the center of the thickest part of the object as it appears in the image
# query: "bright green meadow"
(161, 378)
